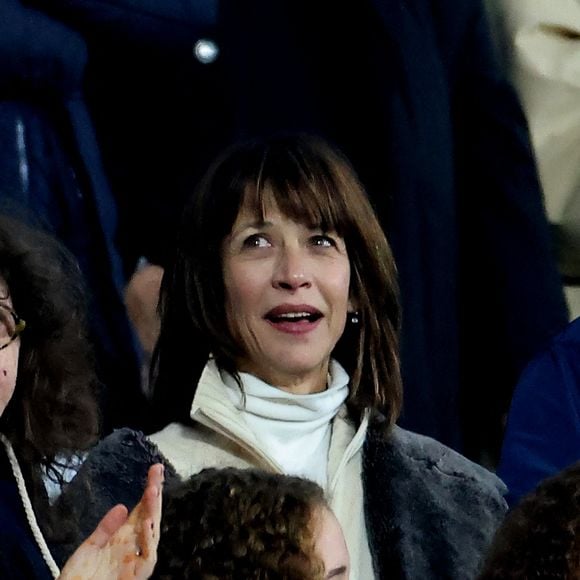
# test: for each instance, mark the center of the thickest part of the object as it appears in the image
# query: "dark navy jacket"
(543, 429)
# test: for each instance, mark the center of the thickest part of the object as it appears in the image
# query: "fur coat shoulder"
(430, 512)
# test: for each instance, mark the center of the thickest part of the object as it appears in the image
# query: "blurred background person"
(539, 42)
(543, 427)
(540, 538)
(540, 46)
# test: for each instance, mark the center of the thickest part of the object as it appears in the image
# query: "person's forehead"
(329, 530)
(279, 205)
(251, 215)
(254, 206)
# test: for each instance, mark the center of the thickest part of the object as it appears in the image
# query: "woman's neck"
(307, 383)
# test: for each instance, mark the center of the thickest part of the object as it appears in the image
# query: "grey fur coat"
(430, 512)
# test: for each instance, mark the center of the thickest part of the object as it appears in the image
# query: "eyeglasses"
(11, 325)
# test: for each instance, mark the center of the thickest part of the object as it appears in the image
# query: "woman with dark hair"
(278, 350)
(305, 183)
(48, 416)
(246, 523)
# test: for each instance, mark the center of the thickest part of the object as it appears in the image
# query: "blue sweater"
(543, 430)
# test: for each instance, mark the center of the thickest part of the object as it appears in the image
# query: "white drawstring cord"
(26, 503)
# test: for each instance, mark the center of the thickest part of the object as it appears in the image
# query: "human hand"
(141, 298)
(122, 547)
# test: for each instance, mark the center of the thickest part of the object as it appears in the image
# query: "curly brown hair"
(540, 538)
(53, 412)
(237, 524)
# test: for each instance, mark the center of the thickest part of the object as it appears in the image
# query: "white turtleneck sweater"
(295, 429)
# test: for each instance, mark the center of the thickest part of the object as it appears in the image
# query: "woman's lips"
(294, 318)
(298, 326)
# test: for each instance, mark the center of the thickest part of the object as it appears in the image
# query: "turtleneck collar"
(269, 402)
(294, 429)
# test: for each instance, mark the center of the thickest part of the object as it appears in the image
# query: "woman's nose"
(291, 271)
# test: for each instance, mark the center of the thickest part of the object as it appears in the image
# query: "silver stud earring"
(354, 317)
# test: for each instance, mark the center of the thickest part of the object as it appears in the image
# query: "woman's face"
(330, 546)
(287, 296)
(8, 357)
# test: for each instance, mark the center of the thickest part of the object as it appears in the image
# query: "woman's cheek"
(8, 374)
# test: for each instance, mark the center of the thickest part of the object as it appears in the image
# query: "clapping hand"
(123, 546)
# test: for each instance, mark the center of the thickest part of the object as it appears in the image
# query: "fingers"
(141, 297)
(155, 480)
(155, 477)
(148, 540)
(108, 526)
(149, 527)
(152, 506)
(150, 503)
(124, 546)
(145, 520)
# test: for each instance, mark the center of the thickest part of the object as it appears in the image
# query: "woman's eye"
(323, 241)
(256, 241)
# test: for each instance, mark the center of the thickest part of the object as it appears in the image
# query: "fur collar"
(431, 513)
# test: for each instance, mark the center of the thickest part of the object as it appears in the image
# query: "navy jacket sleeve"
(53, 63)
(166, 25)
(543, 431)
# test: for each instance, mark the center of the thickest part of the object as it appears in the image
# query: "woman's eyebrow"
(336, 572)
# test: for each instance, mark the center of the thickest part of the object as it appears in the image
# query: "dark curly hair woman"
(48, 414)
(541, 537)
(237, 524)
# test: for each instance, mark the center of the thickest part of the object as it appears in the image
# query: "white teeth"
(294, 315)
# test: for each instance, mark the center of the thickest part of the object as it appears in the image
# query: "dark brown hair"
(313, 184)
(235, 524)
(540, 538)
(53, 413)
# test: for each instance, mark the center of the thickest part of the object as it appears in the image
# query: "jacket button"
(206, 51)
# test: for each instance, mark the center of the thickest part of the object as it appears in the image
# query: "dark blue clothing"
(20, 556)
(543, 430)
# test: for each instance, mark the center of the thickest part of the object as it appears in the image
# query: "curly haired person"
(48, 415)
(248, 524)
(541, 537)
